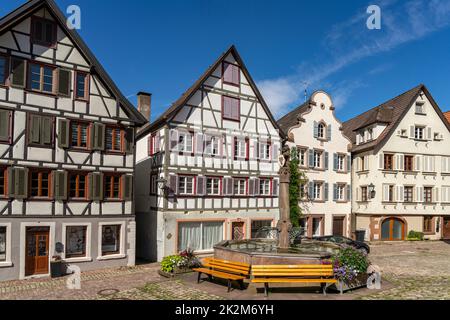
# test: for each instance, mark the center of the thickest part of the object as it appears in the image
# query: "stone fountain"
(277, 251)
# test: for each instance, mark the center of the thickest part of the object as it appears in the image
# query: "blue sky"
(163, 46)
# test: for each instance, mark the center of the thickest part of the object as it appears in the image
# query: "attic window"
(231, 74)
(43, 32)
(420, 108)
(369, 134)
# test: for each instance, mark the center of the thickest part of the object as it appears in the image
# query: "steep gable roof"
(389, 113)
(178, 104)
(32, 6)
(291, 119)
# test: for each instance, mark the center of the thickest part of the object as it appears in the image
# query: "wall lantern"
(372, 191)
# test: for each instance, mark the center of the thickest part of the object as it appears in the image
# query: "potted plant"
(178, 264)
(57, 267)
(350, 268)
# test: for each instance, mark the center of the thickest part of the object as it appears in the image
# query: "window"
(212, 145)
(388, 162)
(341, 162)
(321, 131)
(302, 191)
(364, 194)
(114, 138)
(428, 224)
(258, 225)
(64, 82)
(317, 191)
(240, 148)
(112, 186)
(409, 163)
(43, 32)
(40, 130)
(302, 157)
(363, 163)
(154, 184)
(42, 78)
(2, 244)
(3, 182)
(428, 194)
(264, 187)
(240, 187)
(231, 74)
(199, 236)
(264, 151)
(81, 85)
(317, 159)
(369, 134)
(340, 192)
(110, 240)
(420, 108)
(185, 142)
(231, 108)
(154, 144)
(78, 185)
(79, 134)
(419, 133)
(3, 69)
(408, 194)
(75, 241)
(213, 186)
(5, 125)
(186, 185)
(390, 193)
(40, 184)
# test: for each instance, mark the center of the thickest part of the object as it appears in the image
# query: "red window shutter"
(235, 140)
(226, 108)
(235, 109)
(235, 75)
(227, 72)
(150, 145)
(247, 146)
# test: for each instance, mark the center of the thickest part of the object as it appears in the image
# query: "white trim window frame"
(341, 162)
(303, 157)
(186, 185)
(340, 192)
(318, 159)
(185, 142)
(213, 186)
(87, 257)
(264, 187)
(317, 191)
(419, 132)
(240, 148)
(6, 262)
(264, 153)
(121, 253)
(240, 187)
(212, 145)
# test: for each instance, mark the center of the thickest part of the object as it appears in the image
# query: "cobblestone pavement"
(413, 270)
(418, 270)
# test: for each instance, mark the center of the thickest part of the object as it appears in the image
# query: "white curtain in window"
(189, 236)
(212, 234)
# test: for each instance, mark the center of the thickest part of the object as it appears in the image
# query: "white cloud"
(402, 22)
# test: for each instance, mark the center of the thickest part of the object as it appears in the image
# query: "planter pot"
(359, 282)
(176, 272)
(57, 269)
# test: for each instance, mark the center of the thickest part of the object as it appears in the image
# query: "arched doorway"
(392, 229)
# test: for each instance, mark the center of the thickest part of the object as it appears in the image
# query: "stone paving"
(410, 270)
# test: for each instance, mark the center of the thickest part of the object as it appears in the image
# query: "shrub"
(169, 263)
(184, 260)
(415, 235)
(348, 263)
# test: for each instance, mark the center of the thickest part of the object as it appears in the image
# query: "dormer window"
(322, 131)
(43, 32)
(369, 134)
(420, 108)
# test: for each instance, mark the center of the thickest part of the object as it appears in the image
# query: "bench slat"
(224, 266)
(219, 274)
(293, 274)
(294, 280)
(238, 264)
(293, 270)
(306, 266)
(232, 270)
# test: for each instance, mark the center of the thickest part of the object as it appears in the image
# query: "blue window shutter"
(326, 160)
(329, 132)
(311, 190)
(311, 158)
(349, 192)
(335, 161)
(334, 192)
(349, 163)
(326, 192)
(316, 129)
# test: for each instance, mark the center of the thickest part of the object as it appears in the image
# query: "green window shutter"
(35, 129)
(46, 130)
(96, 186)
(64, 82)
(4, 125)
(127, 187)
(11, 182)
(63, 133)
(98, 136)
(21, 183)
(18, 72)
(129, 140)
(60, 185)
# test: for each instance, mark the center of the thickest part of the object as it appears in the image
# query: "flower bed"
(179, 264)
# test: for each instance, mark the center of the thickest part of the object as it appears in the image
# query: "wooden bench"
(321, 274)
(229, 270)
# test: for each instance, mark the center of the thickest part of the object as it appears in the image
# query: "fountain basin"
(266, 252)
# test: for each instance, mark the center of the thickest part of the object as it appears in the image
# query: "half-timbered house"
(207, 168)
(66, 150)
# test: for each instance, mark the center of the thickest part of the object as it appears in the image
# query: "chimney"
(145, 104)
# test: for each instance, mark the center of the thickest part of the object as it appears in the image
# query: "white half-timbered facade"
(207, 168)
(66, 150)
(324, 157)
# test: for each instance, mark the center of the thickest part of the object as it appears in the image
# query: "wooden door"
(338, 226)
(446, 228)
(37, 251)
(237, 230)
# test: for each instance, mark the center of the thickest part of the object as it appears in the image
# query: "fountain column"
(284, 224)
